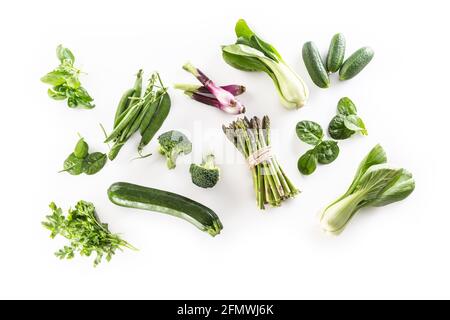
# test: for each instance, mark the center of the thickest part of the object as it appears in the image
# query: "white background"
(399, 251)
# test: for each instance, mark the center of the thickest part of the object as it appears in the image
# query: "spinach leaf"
(81, 149)
(307, 163)
(327, 151)
(346, 107)
(94, 162)
(73, 165)
(337, 128)
(355, 123)
(309, 132)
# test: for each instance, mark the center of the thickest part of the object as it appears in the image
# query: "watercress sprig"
(65, 82)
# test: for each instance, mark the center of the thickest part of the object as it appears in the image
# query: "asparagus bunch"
(252, 137)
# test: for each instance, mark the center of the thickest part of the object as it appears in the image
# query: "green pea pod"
(156, 121)
(115, 150)
(123, 123)
(131, 128)
(152, 107)
(123, 105)
(137, 121)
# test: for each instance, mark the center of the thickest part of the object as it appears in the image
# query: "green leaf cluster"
(65, 82)
(346, 123)
(324, 151)
(86, 234)
(81, 161)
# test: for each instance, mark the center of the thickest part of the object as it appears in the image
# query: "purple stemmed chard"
(221, 98)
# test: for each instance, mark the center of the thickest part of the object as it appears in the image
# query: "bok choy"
(376, 184)
(251, 53)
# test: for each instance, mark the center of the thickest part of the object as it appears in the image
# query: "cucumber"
(314, 65)
(336, 53)
(139, 197)
(356, 63)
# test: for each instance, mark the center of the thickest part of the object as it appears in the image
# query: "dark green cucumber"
(336, 53)
(356, 63)
(139, 197)
(314, 65)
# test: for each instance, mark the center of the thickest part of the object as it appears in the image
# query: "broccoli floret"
(206, 174)
(173, 143)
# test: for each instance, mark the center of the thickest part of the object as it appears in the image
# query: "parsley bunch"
(65, 82)
(85, 232)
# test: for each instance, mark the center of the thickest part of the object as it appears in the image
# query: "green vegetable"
(206, 174)
(138, 197)
(375, 184)
(314, 65)
(307, 163)
(94, 162)
(252, 139)
(80, 161)
(336, 53)
(251, 53)
(85, 232)
(124, 103)
(172, 144)
(356, 63)
(156, 121)
(65, 82)
(309, 132)
(346, 107)
(327, 151)
(346, 122)
(73, 165)
(324, 151)
(81, 149)
(337, 128)
(139, 112)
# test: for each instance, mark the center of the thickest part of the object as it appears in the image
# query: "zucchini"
(139, 197)
(336, 53)
(314, 65)
(356, 63)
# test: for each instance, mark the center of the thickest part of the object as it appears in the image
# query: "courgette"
(314, 65)
(356, 63)
(336, 53)
(139, 197)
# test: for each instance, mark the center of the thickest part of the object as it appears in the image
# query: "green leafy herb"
(94, 162)
(376, 184)
(327, 151)
(307, 163)
(85, 232)
(309, 132)
(346, 122)
(65, 82)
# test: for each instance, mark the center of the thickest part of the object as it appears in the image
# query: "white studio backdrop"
(399, 251)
